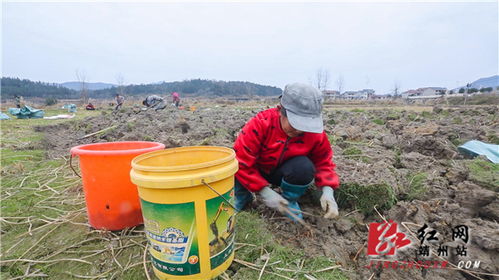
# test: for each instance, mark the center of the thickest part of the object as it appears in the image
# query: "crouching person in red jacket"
(286, 147)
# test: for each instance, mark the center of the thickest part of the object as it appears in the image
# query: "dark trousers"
(297, 171)
(159, 105)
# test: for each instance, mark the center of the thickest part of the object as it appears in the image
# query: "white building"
(380, 97)
(331, 94)
(358, 95)
(433, 91)
(424, 92)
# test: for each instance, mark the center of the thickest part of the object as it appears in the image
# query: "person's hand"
(328, 203)
(273, 199)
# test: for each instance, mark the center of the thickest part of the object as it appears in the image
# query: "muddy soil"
(371, 147)
(174, 128)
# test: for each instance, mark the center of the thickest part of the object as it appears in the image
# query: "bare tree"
(340, 83)
(322, 78)
(468, 85)
(120, 80)
(82, 79)
(325, 79)
(396, 88)
(318, 78)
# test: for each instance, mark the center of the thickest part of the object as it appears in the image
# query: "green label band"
(221, 219)
(175, 269)
(172, 235)
(222, 256)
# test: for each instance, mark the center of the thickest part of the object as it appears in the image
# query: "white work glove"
(328, 203)
(273, 199)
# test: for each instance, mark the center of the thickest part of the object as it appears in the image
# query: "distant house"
(358, 95)
(380, 97)
(433, 91)
(410, 93)
(426, 91)
(331, 93)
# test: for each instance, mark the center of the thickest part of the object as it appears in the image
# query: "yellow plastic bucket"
(185, 194)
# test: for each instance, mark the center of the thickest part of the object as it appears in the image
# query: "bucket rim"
(78, 150)
(231, 155)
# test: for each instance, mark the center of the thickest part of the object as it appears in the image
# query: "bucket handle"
(71, 165)
(215, 191)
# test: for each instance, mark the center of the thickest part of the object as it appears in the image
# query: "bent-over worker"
(287, 147)
(176, 99)
(90, 107)
(119, 101)
(19, 101)
(154, 102)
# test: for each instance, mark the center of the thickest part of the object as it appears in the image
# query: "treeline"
(27, 89)
(474, 90)
(197, 87)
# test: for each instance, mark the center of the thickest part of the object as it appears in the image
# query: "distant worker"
(176, 98)
(90, 107)
(119, 101)
(154, 102)
(19, 101)
(287, 147)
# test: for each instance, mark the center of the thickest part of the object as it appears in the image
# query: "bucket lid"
(183, 167)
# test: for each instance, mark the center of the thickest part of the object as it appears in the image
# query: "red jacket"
(175, 96)
(262, 145)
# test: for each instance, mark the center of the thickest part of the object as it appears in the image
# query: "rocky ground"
(412, 155)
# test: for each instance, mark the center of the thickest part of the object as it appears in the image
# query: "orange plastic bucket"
(112, 200)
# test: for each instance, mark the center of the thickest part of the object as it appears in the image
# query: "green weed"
(357, 110)
(393, 116)
(426, 114)
(457, 141)
(398, 160)
(457, 120)
(484, 173)
(366, 197)
(416, 186)
(352, 151)
(130, 126)
(356, 154)
(412, 117)
(493, 138)
(331, 121)
(333, 139)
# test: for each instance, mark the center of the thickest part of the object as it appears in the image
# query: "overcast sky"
(372, 45)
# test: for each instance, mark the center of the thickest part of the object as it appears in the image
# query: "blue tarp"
(71, 107)
(4, 116)
(475, 148)
(26, 112)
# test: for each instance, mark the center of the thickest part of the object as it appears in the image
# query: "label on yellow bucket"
(221, 235)
(170, 230)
